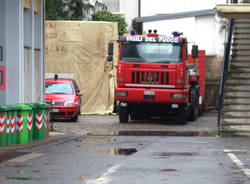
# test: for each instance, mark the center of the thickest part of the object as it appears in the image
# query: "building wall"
(113, 5)
(14, 53)
(21, 34)
(130, 10)
(2, 42)
(127, 8)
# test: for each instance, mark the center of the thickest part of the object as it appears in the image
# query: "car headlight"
(69, 103)
(178, 95)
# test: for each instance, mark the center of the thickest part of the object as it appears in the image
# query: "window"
(58, 88)
(151, 52)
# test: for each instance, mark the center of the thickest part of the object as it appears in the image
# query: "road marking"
(25, 157)
(104, 179)
(237, 162)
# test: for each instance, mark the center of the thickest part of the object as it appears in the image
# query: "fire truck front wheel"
(183, 114)
(123, 112)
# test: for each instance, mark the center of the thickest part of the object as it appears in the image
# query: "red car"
(65, 98)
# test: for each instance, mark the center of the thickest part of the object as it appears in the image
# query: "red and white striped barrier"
(7, 125)
(13, 124)
(29, 118)
(39, 121)
(2, 118)
(19, 123)
(45, 120)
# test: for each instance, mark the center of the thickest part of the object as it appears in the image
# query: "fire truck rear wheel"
(194, 105)
(123, 114)
(134, 116)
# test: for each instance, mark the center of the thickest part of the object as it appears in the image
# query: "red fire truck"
(154, 77)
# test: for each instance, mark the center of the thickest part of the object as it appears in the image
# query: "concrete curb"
(150, 133)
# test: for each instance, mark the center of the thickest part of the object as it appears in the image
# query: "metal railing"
(225, 65)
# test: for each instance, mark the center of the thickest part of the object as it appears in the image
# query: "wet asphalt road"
(110, 123)
(133, 160)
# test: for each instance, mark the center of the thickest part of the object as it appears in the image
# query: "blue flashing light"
(176, 33)
(132, 32)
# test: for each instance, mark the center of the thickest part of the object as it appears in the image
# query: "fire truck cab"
(154, 77)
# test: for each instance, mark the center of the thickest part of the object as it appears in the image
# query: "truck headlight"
(178, 95)
(122, 94)
(69, 103)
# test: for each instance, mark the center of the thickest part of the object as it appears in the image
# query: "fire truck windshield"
(148, 52)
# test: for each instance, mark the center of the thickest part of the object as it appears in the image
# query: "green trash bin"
(3, 114)
(22, 123)
(39, 120)
(30, 126)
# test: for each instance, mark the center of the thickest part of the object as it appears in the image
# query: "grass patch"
(21, 178)
(214, 133)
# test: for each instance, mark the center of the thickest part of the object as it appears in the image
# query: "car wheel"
(123, 114)
(79, 110)
(74, 119)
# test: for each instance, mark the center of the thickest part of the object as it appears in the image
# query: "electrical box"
(2, 78)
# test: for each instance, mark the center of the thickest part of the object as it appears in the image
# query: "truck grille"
(139, 77)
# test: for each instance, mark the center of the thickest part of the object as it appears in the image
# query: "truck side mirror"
(110, 51)
(195, 51)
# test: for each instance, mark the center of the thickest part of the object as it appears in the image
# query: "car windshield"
(150, 52)
(58, 88)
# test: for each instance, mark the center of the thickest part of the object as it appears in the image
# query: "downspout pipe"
(139, 8)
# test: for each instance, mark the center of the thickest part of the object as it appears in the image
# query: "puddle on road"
(98, 140)
(167, 170)
(115, 151)
(104, 133)
(82, 177)
(170, 154)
